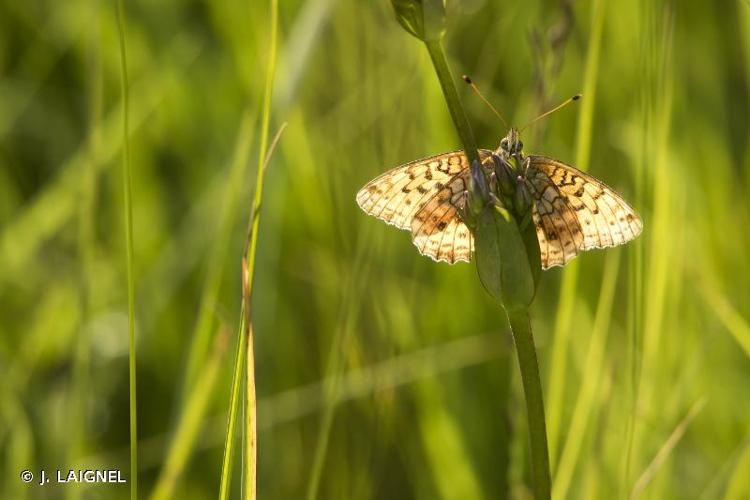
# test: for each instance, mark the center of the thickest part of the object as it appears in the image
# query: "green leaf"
(502, 259)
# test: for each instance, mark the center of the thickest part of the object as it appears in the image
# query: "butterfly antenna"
(561, 105)
(477, 92)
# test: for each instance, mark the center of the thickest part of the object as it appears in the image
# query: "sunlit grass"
(127, 183)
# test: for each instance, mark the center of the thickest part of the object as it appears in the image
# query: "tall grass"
(564, 324)
(127, 181)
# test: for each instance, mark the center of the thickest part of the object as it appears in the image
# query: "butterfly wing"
(574, 212)
(422, 196)
(437, 230)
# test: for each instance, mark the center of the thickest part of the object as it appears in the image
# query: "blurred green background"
(380, 373)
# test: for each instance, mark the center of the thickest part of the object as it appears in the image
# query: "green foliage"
(421, 400)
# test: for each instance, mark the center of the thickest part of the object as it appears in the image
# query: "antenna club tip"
(466, 79)
(577, 96)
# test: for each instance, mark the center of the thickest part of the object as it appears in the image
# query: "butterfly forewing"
(398, 194)
(576, 212)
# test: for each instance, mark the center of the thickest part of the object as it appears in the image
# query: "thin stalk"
(558, 381)
(584, 410)
(251, 438)
(239, 364)
(460, 121)
(246, 337)
(127, 188)
(263, 150)
(77, 415)
(518, 319)
(205, 324)
(532, 388)
(191, 420)
(251, 419)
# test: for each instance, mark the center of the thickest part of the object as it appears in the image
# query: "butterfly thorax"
(511, 148)
(508, 178)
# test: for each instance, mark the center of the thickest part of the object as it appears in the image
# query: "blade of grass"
(649, 314)
(594, 368)
(217, 258)
(231, 423)
(244, 352)
(19, 443)
(77, 415)
(128, 196)
(331, 396)
(248, 263)
(737, 326)
(738, 486)
(635, 281)
(299, 402)
(186, 433)
(666, 449)
(558, 379)
(22, 236)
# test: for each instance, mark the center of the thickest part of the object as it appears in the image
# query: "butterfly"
(571, 210)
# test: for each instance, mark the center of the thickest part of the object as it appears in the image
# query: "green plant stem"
(127, 188)
(532, 388)
(239, 364)
(251, 437)
(461, 122)
(518, 319)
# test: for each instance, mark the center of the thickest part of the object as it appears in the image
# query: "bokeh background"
(380, 373)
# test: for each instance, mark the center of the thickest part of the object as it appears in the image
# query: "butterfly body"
(571, 210)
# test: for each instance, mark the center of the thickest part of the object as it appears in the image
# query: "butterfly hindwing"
(437, 230)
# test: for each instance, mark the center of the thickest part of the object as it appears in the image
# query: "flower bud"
(522, 201)
(502, 260)
(505, 175)
(424, 19)
(479, 190)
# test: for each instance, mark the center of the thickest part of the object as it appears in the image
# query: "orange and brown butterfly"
(571, 210)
